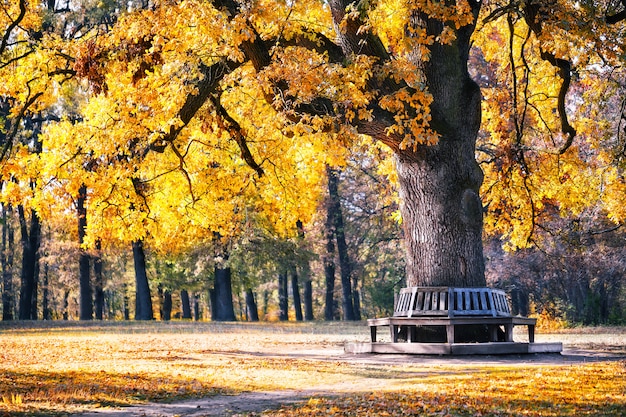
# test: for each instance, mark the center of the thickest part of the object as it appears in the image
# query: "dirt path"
(259, 401)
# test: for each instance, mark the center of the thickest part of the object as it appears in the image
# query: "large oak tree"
(184, 93)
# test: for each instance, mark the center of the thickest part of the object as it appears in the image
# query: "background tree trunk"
(45, 307)
(143, 299)
(98, 282)
(166, 312)
(251, 307)
(185, 304)
(7, 257)
(345, 268)
(223, 296)
(306, 275)
(31, 240)
(84, 278)
(295, 289)
(283, 300)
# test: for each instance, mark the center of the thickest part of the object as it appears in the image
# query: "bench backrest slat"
(451, 301)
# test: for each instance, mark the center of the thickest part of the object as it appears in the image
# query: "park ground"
(293, 369)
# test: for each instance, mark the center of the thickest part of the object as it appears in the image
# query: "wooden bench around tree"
(420, 308)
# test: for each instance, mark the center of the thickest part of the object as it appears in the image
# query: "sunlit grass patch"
(597, 389)
(56, 369)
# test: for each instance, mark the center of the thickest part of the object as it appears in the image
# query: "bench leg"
(508, 332)
(394, 332)
(412, 334)
(450, 333)
(531, 333)
(373, 333)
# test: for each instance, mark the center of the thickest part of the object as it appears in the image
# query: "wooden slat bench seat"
(418, 308)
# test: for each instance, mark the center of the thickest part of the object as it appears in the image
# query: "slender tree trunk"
(143, 300)
(31, 241)
(251, 307)
(356, 302)
(66, 304)
(328, 261)
(126, 302)
(86, 294)
(306, 276)
(266, 301)
(295, 289)
(345, 267)
(8, 242)
(186, 306)
(47, 313)
(223, 303)
(196, 307)
(98, 281)
(283, 301)
(166, 312)
(329, 274)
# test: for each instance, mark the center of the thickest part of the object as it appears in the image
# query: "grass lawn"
(63, 367)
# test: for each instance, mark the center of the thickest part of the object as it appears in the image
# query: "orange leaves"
(411, 109)
(567, 391)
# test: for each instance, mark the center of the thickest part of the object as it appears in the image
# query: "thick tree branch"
(227, 123)
(617, 17)
(8, 32)
(532, 14)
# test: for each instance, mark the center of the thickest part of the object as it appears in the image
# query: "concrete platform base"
(493, 348)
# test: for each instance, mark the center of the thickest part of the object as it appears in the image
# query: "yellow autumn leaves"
(149, 173)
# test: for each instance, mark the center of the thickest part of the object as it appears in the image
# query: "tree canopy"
(189, 118)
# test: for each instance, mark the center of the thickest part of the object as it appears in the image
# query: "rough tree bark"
(441, 209)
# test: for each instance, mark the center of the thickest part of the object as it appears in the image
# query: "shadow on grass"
(42, 392)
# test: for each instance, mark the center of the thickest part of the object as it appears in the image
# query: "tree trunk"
(345, 268)
(441, 210)
(47, 313)
(84, 279)
(143, 300)
(196, 307)
(306, 275)
(251, 307)
(186, 306)
(66, 304)
(126, 303)
(356, 302)
(283, 301)
(7, 256)
(295, 289)
(166, 312)
(329, 268)
(223, 296)
(98, 282)
(31, 241)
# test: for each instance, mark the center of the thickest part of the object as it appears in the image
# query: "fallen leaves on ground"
(61, 370)
(597, 389)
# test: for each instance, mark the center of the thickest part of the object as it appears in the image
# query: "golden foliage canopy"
(184, 118)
